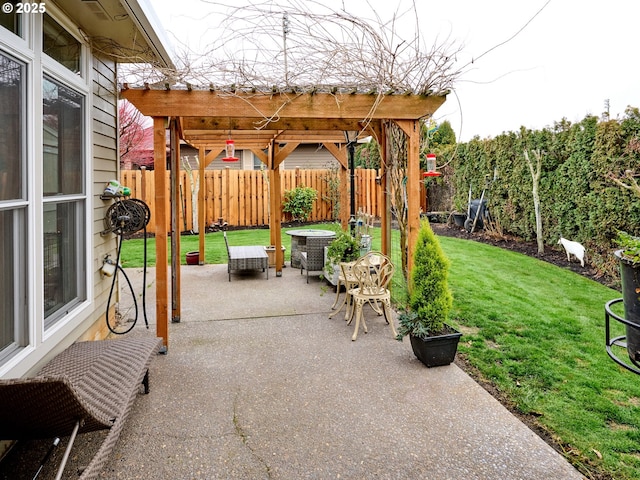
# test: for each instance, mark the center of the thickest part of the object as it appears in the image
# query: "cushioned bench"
(89, 386)
(246, 258)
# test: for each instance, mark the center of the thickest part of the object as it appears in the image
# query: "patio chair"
(312, 258)
(89, 386)
(373, 272)
(348, 279)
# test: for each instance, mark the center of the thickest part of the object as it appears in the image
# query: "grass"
(215, 250)
(536, 331)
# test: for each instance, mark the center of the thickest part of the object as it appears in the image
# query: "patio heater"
(351, 137)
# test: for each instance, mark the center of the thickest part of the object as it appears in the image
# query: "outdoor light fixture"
(431, 166)
(230, 151)
(351, 136)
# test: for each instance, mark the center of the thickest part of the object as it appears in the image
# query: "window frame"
(19, 209)
(78, 83)
(27, 48)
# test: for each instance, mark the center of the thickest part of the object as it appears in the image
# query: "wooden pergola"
(270, 124)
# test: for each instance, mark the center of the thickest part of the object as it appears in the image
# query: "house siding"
(305, 156)
(104, 121)
(309, 157)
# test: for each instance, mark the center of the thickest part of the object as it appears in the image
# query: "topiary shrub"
(298, 202)
(430, 298)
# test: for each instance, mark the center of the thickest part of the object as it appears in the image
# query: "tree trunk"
(535, 178)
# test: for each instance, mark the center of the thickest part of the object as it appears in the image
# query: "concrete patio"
(258, 383)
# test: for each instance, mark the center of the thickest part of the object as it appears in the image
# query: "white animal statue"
(573, 248)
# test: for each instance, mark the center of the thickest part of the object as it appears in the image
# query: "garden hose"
(126, 217)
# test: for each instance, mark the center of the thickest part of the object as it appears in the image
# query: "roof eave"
(145, 19)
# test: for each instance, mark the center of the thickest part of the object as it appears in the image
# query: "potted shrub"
(434, 342)
(629, 260)
(459, 215)
(344, 248)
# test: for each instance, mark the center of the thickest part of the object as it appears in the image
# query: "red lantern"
(431, 166)
(230, 151)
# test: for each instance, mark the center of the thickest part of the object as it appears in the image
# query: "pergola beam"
(274, 106)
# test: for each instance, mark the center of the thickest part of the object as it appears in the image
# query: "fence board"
(241, 197)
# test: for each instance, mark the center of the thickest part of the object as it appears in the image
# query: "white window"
(12, 21)
(60, 44)
(43, 94)
(13, 330)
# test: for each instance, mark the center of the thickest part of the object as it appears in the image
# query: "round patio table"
(299, 241)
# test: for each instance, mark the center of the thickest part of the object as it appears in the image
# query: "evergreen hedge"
(578, 200)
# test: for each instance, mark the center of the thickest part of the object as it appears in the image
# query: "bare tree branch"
(627, 181)
(325, 48)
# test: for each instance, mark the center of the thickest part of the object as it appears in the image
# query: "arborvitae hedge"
(578, 201)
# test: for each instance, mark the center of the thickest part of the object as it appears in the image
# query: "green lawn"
(215, 250)
(536, 331)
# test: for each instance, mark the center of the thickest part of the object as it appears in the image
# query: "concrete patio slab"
(258, 383)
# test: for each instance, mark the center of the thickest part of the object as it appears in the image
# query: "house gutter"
(142, 14)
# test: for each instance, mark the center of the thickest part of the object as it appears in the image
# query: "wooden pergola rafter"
(271, 124)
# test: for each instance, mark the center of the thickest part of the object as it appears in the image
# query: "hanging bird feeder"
(431, 166)
(230, 152)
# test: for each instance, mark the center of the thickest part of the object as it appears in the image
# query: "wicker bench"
(89, 386)
(246, 258)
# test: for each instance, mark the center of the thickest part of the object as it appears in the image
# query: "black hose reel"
(126, 217)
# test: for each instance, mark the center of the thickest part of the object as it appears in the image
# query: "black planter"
(630, 277)
(459, 218)
(438, 350)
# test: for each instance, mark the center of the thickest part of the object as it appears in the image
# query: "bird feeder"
(431, 166)
(230, 152)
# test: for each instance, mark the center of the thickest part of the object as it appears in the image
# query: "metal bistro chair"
(373, 273)
(348, 279)
(312, 259)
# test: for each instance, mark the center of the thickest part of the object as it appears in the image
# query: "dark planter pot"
(459, 218)
(436, 351)
(630, 277)
(193, 258)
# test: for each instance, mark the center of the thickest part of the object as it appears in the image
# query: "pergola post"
(340, 154)
(175, 220)
(160, 212)
(275, 203)
(201, 217)
(385, 214)
(412, 129)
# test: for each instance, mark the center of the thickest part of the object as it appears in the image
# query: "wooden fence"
(241, 197)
